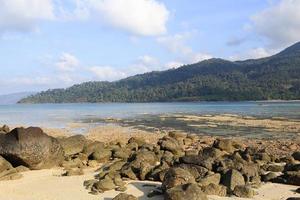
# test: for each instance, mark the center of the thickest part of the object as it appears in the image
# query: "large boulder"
(73, 145)
(184, 192)
(177, 176)
(32, 148)
(123, 196)
(233, 178)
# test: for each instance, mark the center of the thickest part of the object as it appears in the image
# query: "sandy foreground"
(50, 185)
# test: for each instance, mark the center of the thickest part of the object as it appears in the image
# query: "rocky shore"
(188, 166)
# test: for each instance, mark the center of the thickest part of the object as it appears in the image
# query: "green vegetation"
(275, 77)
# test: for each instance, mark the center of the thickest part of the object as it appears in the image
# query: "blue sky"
(56, 43)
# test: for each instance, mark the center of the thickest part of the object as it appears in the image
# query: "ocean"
(58, 115)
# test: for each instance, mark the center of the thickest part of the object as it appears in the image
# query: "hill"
(275, 77)
(14, 97)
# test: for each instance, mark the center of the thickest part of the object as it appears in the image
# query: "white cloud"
(254, 53)
(67, 62)
(280, 23)
(174, 64)
(177, 44)
(23, 15)
(141, 17)
(107, 73)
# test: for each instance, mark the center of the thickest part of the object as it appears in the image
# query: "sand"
(49, 185)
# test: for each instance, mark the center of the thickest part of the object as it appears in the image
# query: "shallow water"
(59, 115)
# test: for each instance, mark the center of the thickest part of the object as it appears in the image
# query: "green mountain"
(274, 77)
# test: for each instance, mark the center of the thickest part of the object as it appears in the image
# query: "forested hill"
(275, 77)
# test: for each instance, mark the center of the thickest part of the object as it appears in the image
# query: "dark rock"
(214, 189)
(170, 144)
(292, 177)
(175, 177)
(210, 152)
(296, 155)
(243, 191)
(123, 196)
(224, 145)
(232, 178)
(73, 145)
(210, 179)
(184, 192)
(269, 176)
(198, 160)
(32, 148)
(197, 171)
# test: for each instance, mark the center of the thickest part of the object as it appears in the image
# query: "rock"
(22, 169)
(197, 160)
(127, 172)
(184, 192)
(144, 156)
(4, 165)
(4, 129)
(243, 191)
(293, 198)
(275, 168)
(92, 147)
(224, 145)
(88, 184)
(121, 189)
(73, 145)
(92, 163)
(232, 178)
(170, 144)
(101, 156)
(269, 176)
(139, 141)
(197, 171)
(292, 177)
(168, 157)
(175, 177)
(210, 152)
(123, 196)
(32, 148)
(213, 189)
(11, 174)
(73, 172)
(104, 184)
(73, 163)
(296, 155)
(210, 179)
(123, 153)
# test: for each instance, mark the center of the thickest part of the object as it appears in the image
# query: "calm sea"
(58, 115)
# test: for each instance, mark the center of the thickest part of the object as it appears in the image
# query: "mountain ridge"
(274, 77)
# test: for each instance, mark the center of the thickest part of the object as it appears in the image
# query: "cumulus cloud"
(280, 23)
(177, 45)
(107, 73)
(67, 62)
(141, 17)
(23, 15)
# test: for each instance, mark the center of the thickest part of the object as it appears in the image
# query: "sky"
(57, 43)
